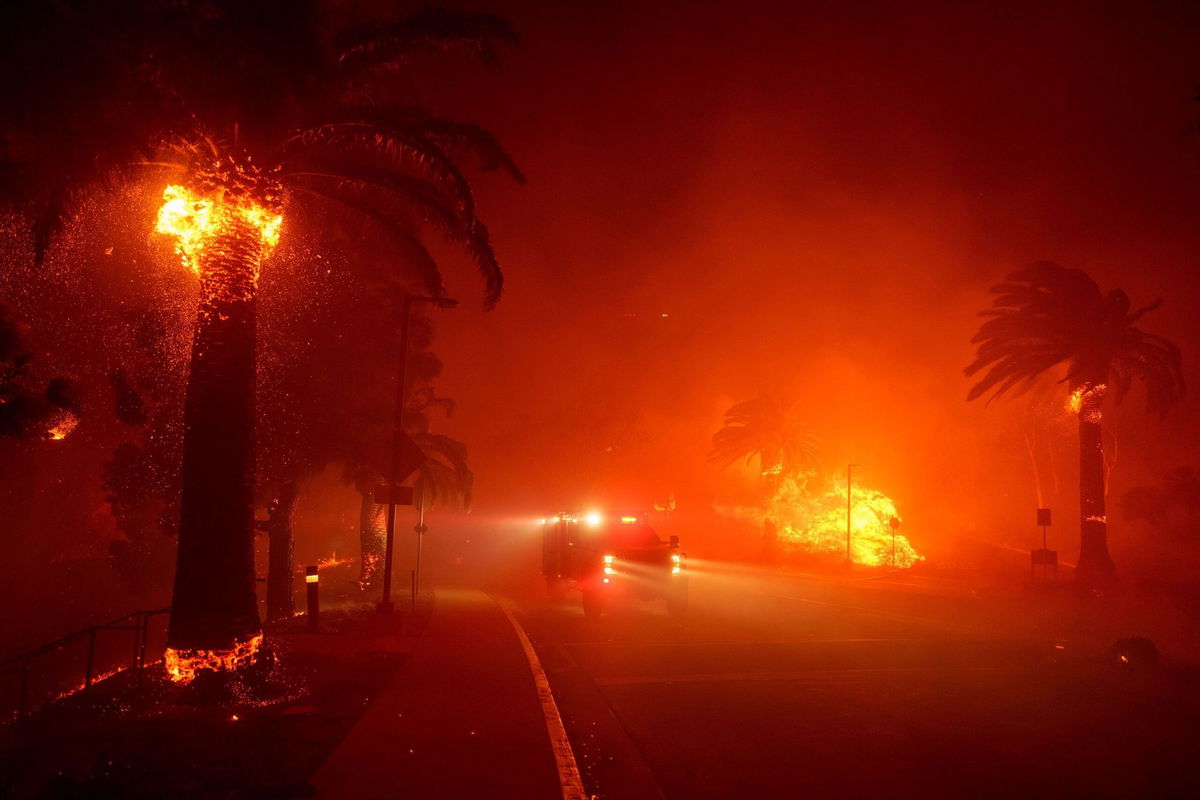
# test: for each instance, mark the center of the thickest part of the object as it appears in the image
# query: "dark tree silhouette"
(1172, 507)
(770, 429)
(1048, 315)
(26, 410)
(250, 109)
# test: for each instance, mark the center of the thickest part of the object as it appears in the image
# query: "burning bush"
(812, 519)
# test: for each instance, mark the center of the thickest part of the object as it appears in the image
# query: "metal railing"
(67, 680)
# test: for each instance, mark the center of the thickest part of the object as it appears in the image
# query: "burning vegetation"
(814, 520)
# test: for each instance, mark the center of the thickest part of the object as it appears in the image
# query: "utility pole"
(849, 476)
(420, 529)
(394, 478)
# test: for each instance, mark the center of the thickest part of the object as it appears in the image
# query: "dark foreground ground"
(781, 686)
(134, 737)
(774, 684)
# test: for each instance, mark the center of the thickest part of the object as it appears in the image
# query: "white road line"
(564, 757)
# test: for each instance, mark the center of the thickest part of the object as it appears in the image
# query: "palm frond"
(1047, 315)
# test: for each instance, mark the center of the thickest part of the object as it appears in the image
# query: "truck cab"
(609, 557)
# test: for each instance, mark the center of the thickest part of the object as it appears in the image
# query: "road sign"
(398, 495)
(1043, 516)
(408, 457)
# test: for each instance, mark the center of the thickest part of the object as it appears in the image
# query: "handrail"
(140, 627)
(71, 637)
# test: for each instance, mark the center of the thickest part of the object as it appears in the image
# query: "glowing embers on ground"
(812, 519)
(195, 219)
(333, 561)
(184, 665)
(60, 425)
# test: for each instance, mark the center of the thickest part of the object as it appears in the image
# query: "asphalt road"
(784, 686)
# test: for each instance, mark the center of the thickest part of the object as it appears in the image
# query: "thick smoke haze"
(819, 197)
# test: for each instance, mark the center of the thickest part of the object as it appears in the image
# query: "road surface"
(779, 685)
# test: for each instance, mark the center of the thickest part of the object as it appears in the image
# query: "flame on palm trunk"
(193, 219)
(812, 520)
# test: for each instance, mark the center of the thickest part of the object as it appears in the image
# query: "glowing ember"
(183, 665)
(61, 425)
(370, 566)
(194, 219)
(813, 522)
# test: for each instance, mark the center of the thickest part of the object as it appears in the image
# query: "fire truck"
(609, 557)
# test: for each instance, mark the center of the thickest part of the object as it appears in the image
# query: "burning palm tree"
(253, 111)
(771, 430)
(1048, 315)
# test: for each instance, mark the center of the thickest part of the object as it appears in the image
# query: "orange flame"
(183, 665)
(192, 219)
(333, 561)
(61, 425)
(816, 523)
(1075, 402)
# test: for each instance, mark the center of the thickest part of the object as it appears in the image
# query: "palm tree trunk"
(1096, 569)
(281, 570)
(771, 469)
(214, 607)
(372, 538)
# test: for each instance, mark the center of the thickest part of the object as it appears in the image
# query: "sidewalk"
(461, 718)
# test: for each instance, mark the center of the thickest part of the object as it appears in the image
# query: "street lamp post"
(385, 605)
(849, 468)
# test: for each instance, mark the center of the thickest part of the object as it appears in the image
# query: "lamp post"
(849, 468)
(385, 605)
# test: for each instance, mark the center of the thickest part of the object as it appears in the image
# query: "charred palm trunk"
(214, 606)
(372, 538)
(281, 569)
(1096, 569)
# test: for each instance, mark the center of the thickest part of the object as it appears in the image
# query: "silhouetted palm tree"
(249, 108)
(1049, 315)
(771, 430)
(445, 478)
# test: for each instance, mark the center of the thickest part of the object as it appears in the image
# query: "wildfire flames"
(813, 522)
(333, 561)
(61, 425)
(193, 219)
(1096, 393)
(183, 665)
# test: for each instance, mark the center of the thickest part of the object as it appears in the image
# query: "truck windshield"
(637, 534)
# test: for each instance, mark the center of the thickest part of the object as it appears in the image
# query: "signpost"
(407, 458)
(1045, 556)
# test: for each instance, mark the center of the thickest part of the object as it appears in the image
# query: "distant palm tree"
(1049, 315)
(250, 109)
(771, 430)
(445, 478)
